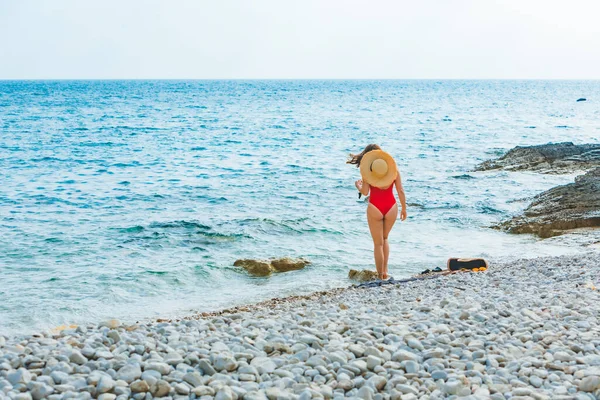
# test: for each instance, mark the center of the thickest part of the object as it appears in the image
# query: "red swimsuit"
(383, 199)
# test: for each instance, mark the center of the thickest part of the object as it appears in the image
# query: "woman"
(379, 176)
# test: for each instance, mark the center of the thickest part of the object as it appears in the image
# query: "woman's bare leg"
(388, 222)
(375, 219)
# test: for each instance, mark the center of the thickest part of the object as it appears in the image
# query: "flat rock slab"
(572, 206)
(552, 158)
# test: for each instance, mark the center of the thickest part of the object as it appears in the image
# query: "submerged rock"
(266, 267)
(572, 206)
(365, 275)
(552, 158)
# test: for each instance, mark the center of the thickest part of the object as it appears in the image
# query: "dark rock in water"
(572, 206)
(266, 267)
(552, 158)
(365, 275)
(582, 99)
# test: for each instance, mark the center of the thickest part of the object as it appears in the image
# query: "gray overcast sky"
(70, 39)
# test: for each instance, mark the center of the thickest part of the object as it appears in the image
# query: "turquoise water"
(132, 199)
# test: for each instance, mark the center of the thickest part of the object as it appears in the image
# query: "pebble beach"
(524, 330)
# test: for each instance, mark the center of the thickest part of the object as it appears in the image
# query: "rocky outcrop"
(267, 267)
(365, 275)
(552, 158)
(576, 205)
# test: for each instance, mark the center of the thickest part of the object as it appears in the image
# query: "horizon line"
(298, 79)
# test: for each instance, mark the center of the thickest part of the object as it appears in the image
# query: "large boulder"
(288, 264)
(255, 267)
(552, 158)
(266, 267)
(576, 205)
(365, 275)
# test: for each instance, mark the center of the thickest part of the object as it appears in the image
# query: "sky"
(299, 39)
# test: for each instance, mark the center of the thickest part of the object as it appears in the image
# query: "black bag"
(456, 264)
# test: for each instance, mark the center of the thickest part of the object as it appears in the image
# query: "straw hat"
(378, 169)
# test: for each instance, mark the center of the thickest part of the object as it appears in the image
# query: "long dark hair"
(356, 158)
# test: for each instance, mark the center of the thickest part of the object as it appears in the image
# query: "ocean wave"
(152, 272)
(140, 128)
(196, 107)
(487, 209)
(211, 199)
(43, 199)
(268, 224)
(441, 206)
(223, 236)
(133, 229)
(298, 226)
(125, 165)
(100, 144)
(12, 148)
(6, 200)
(463, 176)
(496, 151)
(42, 159)
(180, 224)
(189, 233)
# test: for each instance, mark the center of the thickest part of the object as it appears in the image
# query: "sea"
(132, 199)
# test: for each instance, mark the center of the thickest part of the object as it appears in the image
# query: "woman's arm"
(362, 186)
(401, 196)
